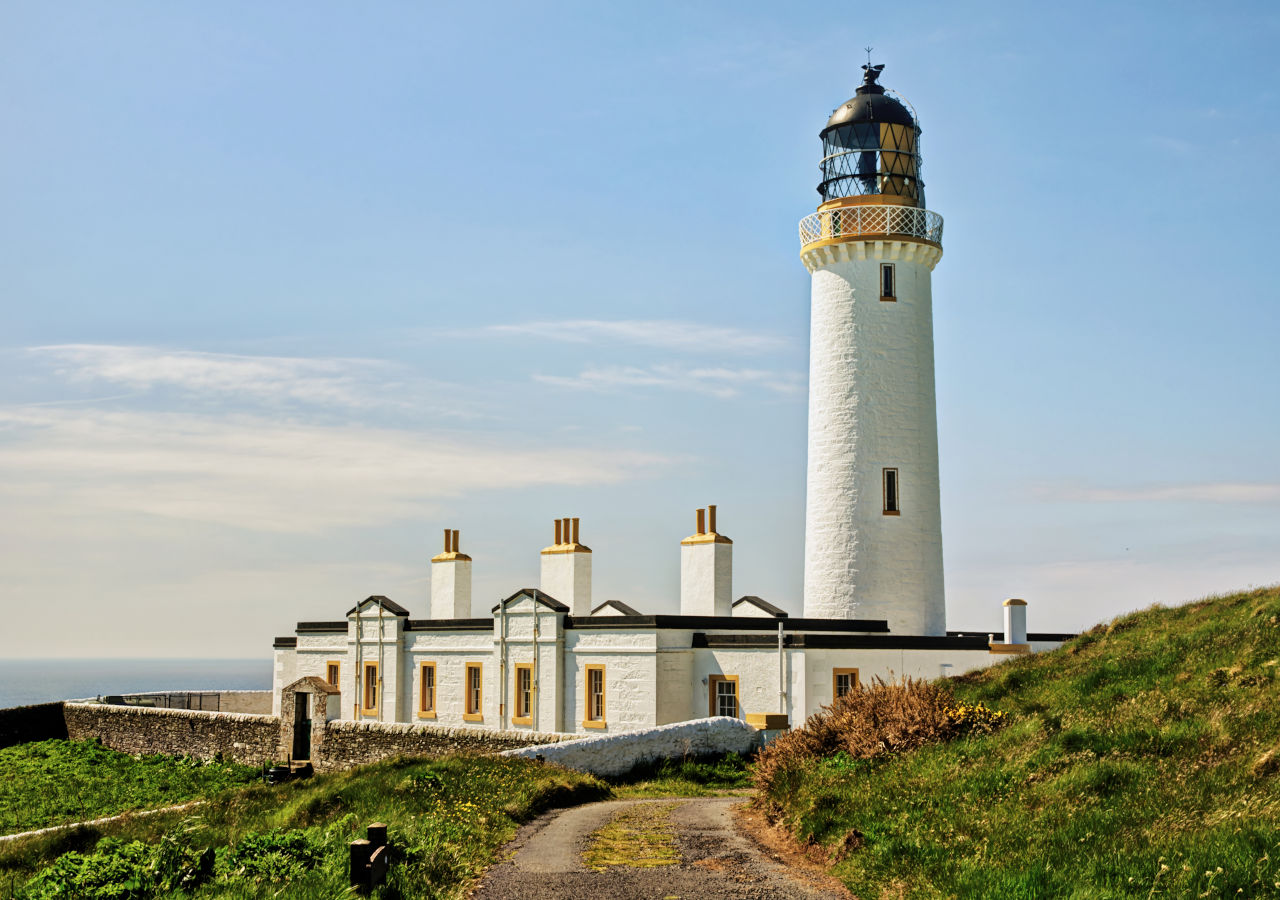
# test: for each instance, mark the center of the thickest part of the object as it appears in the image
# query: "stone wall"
(344, 744)
(21, 724)
(617, 754)
(249, 739)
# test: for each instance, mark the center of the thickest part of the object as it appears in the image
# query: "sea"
(26, 681)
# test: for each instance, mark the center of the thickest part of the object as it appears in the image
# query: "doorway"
(301, 726)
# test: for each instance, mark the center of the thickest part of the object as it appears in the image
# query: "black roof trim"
(621, 607)
(1031, 636)
(838, 642)
(726, 623)
(449, 625)
(322, 627)
(389, 605)
(764, 605)
(545, 599)
(281, 642)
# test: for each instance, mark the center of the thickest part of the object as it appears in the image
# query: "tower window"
(891, 507)
(888, 290)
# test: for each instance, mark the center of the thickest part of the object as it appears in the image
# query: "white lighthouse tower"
(873, 531)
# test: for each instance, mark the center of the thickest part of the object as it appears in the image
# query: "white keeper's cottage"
(546, 659)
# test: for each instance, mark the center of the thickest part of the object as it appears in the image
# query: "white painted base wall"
(617, 754)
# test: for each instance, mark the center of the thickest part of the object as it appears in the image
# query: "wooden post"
(361, 851)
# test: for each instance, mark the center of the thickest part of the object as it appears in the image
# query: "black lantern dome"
(871, 146)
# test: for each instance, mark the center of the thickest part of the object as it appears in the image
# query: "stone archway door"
(304, 710)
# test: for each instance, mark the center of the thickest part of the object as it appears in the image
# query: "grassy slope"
(1143, 759)
(447, 818)
(51, 782)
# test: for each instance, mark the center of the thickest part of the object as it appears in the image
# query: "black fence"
(205, 700)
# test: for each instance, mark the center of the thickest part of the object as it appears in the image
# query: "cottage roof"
(390, 606)
(537, 596)
(762, 605)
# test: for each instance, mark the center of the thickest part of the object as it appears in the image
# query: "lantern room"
(871, 147)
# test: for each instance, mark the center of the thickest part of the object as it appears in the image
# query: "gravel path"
(717, 862)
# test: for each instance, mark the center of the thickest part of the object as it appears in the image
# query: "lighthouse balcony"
(870, 222)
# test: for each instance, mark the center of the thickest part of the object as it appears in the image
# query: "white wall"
(631, 683)
(872, 406)
(451, 651)
(617, 754)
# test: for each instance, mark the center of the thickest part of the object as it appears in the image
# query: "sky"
(287, 289)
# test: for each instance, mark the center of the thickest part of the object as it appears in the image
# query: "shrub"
(870, 721)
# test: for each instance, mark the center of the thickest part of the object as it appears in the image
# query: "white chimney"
(566, 569)
(706, 570)
(451, 581)
(1015, 621)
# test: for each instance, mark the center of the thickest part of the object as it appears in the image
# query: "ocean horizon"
(27, 681)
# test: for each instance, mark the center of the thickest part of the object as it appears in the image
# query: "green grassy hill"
(447, 818)
(1141, 760)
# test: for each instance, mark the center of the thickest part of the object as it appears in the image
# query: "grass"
(446, 817)
(1141, 760)
(699, 776)
(52, 782)
(640, 837)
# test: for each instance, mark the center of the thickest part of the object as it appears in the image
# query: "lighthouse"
(873, 529)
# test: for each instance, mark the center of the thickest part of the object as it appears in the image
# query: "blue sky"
(286, 289)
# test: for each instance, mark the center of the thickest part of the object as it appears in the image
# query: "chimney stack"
(566, 569)
(706, 570)
(451, 581)
(1015, 621)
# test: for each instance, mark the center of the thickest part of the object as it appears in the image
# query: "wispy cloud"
(271, 379)
(257, 473)
(718, 382)
(1205, 492)
(665, 334)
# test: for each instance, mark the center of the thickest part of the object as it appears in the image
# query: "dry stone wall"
(345, 744)
(249, 739)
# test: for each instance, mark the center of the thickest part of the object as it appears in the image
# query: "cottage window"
(524, 694)
(724, 695)
(427, 690)
(475, 695)
(369, 702)
(595, 697)
(844, 681)
(332, 672)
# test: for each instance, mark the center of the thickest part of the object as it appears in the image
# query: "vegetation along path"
(622, 849)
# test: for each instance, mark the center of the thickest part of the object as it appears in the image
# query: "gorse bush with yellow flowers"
(968, 718)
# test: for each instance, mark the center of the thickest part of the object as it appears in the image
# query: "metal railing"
(858, 221)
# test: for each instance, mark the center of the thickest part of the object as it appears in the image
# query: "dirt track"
(717, 861)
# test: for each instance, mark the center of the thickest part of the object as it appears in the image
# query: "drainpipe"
(537, 670)
(358, 674)
(782, 673)
(382, 695)
(502, 666)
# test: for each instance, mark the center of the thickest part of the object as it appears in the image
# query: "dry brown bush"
(876, 718)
